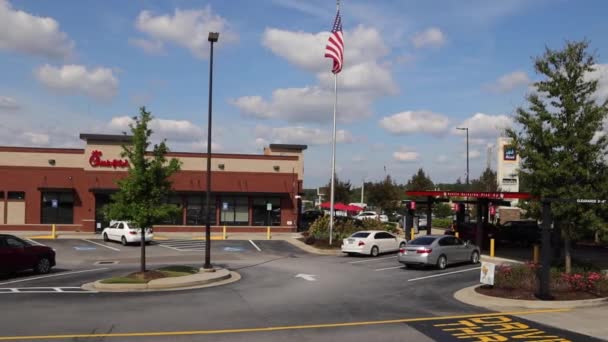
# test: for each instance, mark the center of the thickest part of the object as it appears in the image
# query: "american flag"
(335, 45)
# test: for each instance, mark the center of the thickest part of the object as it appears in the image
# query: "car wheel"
(105, 237)
(402, 245)
(375, 251)
(43, 266)
(442, 262)
(123, 240)
(475, 258)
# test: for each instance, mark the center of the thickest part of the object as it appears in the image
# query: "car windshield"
(422, 241)
(360, 235)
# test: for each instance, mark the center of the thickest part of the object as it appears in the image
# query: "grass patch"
(144, 278)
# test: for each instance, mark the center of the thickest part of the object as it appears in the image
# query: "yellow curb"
(213, 237)
(42, 237)
(160, 238)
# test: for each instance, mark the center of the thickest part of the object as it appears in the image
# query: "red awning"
(340, 206)
(471, 194)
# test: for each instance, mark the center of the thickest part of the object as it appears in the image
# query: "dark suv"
(524, 232)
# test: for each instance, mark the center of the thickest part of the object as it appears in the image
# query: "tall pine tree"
(556, 137)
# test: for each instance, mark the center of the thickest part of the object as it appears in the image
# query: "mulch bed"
(148, 275)
(527, 295)
(324, 244)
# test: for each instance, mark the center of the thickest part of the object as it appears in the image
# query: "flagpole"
(333, 154)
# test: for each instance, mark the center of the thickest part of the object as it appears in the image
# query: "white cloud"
(406, 155)
(411, 122)
(8, 103)
(151, 47)
(442, 158)
(26, 33)
(509, 82)
(300, 135)
(431, 37)
(473, 154)
(37, 139)
(363, 79)
(484, 125)
(186, 28)
(174, 130)
(98, 82)
(601, 75)
(358, 159)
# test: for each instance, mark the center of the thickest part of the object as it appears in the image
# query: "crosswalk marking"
(44, 290)
(184, 245)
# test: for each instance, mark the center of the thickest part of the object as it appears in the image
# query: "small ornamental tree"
(141, 198)
(558, 138)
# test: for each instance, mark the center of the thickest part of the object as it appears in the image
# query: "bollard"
(268, 233)
(412, 234)
(457, 235)
(491, 248)
(54, 232)
(536, 254)
(224, 233)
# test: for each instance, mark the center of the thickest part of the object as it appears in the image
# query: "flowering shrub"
(587, 282)
(515, 277)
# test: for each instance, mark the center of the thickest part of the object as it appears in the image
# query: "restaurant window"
(234, 211)
(176, 218)
(16, 195)
(196, 207)
(58, 207)
(262, 216)
(1, 194)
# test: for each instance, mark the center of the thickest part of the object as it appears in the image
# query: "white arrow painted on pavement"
(309, 277)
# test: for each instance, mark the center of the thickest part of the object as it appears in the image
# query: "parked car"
(383, 218)
(366, 215)
(125, 233)
(19, 255)
(438, 250)
(372, 242)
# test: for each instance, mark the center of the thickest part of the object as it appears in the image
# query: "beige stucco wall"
(112, 151)
(38, 159)
(15, 212)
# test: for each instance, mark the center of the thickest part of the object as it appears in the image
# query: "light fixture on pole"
(213, 37)
(466, 129)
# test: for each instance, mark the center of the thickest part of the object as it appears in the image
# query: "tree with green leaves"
(486, 182)
(341, 190)
(142, 194)
(557, 138)
(420, 181)
(384, 194)
(443, 210)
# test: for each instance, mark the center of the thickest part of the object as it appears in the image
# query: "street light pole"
(466, 129)
(213, 37)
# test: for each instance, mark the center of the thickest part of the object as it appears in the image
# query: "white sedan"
(372, 242)
(125, 233)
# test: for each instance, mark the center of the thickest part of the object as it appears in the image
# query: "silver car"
(438, 250)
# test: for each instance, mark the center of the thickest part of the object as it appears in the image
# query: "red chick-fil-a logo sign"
(96, 161)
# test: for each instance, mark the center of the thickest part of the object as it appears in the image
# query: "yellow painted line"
(269, 329)
(160, 238)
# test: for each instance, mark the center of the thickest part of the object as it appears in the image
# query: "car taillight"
(361, 243)
(402, 250)
(424, 251)
(132, 232)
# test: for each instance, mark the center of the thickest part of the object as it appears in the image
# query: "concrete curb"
(470, 296)
(487, 258)
(310, 249)
(195, 281)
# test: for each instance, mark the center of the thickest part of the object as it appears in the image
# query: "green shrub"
(345, 227)
(516, 277)
(442, 222)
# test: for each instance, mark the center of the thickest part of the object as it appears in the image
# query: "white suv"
(366, 215)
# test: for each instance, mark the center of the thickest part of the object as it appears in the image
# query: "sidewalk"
(587, 321)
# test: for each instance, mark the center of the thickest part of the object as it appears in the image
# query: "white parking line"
(53, 275)
(443, 274)
(34, 242)
(256, 246)
(374, 259)
(175, 249)
(102, 245)
(388, 268)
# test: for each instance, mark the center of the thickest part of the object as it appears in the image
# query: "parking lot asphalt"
(282, 287)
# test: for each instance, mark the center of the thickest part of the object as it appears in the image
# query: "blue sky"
(413, 71)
